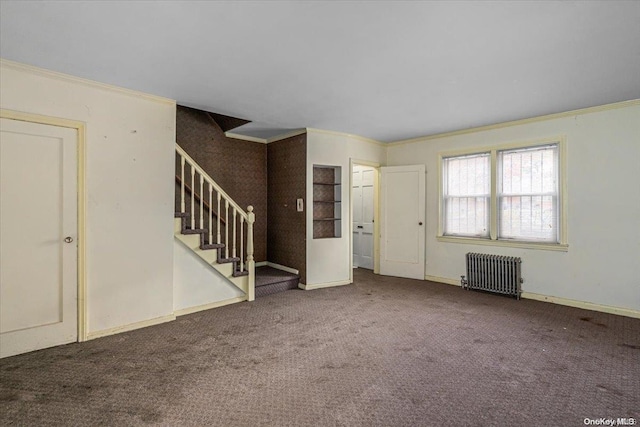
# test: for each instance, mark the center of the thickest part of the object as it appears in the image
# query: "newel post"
(251, 265)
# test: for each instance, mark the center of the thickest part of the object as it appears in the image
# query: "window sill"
(559, 247)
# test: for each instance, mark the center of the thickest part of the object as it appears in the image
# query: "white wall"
(602, 265)
(196, 283)
(129, 176)
(328, 260)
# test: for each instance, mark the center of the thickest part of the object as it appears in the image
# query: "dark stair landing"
(270, 280)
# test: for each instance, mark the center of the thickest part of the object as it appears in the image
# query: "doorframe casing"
(80, 129)
(376, 208)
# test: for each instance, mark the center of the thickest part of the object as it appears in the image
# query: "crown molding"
(347, 135)
(581, 111)
(79, 80)
(295, 132)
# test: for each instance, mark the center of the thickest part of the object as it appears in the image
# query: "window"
(467, 194)
(528, 194)
(504, 195)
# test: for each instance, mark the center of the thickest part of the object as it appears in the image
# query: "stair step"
(270, 280)
(240, 273)
(212, 246)
(226, 260)
(195, 231)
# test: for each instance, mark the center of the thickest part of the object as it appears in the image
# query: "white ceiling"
(383, 70)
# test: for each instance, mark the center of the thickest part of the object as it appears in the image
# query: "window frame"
(492, 239)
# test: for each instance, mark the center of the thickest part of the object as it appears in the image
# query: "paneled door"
(363, 216)
(38, 233)
(402, 243)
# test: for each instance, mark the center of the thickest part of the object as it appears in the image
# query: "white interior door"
(363, 216)
(38, 208)
(402, 228)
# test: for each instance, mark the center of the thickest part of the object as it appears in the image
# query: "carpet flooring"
(270, 280)
(380, 352)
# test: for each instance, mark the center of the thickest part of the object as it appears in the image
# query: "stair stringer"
(210, 256)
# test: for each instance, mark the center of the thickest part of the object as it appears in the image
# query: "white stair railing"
(231, 223)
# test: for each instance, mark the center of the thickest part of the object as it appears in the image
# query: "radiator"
(493, 273)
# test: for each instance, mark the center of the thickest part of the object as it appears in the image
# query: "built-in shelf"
(327, 208)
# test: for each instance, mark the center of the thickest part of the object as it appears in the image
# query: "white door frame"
(376, 209)
(81, 232)
(415, 270)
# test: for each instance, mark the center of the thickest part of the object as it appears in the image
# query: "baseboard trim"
(620, 311)
(131, 327)
(442, 280)
(282, 267)
(324, 285)
(261, 264)
(195, 309)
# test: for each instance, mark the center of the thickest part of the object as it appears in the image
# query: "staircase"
(221, 239)
(270, 280)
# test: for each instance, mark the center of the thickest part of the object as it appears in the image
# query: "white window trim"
(492, 240)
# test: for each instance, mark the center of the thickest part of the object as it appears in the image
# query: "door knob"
(68, 239)
(420, 223)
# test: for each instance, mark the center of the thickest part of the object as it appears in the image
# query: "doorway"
(40, 238)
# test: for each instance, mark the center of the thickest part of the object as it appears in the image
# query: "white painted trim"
(296, 132)
(349, 135)
(261, 264)
(282, 267)
(376, 209)
(82, 203)
(577, 112)
(209, 306)
(442, 280)
(620, 311)
(583, 304)
(324, 285)
(92, 83)
(286, 135)
(131, 326)
(230, 134)
(507, 243)
(562, 245)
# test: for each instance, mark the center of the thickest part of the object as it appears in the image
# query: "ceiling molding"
(280, 137)
(293, 133)
(18, 66)
(246, 138)
(580, 111)
(347, 135)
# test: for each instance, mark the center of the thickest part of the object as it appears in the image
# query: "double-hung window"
(528, 194)
(467, 194)
(504, 195)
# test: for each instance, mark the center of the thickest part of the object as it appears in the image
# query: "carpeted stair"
(270, 280)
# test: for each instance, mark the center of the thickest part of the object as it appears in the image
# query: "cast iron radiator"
(493, 273)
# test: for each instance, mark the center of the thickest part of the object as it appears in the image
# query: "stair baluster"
(226, 229)
(218, 216)
(243, 263)
(241, 243)
(201, 224)
(210, 215)
(193, 198)
(182, 208)
(234, 233)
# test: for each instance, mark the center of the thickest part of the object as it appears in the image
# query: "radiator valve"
(464, 282)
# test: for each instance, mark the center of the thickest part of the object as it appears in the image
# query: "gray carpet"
(270, 280)
(383, 351)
